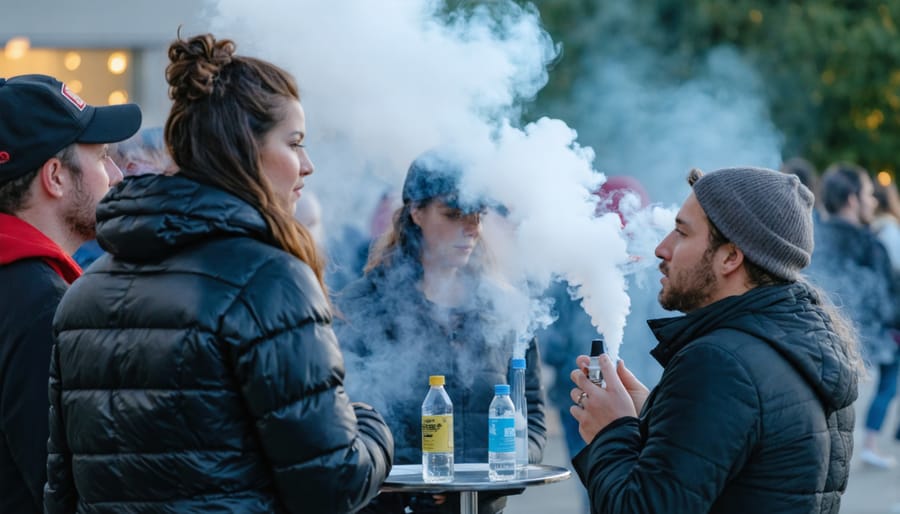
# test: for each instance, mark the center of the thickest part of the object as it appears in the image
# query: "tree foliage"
(830, 69)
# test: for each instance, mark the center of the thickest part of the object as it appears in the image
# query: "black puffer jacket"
(752, 414)
(197, 371)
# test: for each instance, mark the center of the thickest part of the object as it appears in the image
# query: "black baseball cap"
(39, 116)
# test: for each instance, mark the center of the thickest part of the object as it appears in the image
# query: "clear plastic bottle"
(521, 406)
(501, 436)
(437, 433)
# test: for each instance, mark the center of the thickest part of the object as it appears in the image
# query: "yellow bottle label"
(437, 434)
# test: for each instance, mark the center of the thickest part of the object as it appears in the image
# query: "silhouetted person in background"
(886, 226)
(854, 267)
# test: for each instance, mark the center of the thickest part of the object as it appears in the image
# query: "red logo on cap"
(72, 97)
(4, 157)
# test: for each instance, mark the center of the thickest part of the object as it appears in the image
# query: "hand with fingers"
(596, 407)
(636, 390)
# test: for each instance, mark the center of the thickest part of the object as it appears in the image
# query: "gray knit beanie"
(766, 213)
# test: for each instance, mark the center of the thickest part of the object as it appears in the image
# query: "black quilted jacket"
(753, 414)
(196, 370)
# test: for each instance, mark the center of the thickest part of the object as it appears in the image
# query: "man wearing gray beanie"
(753, 412)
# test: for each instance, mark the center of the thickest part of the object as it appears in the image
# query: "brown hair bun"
(196, 66)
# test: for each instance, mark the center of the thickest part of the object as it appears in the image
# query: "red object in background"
(614, 189)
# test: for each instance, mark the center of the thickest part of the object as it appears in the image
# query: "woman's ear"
(416, 214)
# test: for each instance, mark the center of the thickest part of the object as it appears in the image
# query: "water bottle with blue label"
(501, 436)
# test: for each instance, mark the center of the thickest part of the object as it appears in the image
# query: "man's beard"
(694, 290)
(80, 215)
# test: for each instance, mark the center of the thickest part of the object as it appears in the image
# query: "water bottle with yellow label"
(437, 433)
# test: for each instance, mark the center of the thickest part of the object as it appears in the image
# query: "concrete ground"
(870, 491)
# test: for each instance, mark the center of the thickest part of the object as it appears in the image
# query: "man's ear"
(54, 178)
(732, 258)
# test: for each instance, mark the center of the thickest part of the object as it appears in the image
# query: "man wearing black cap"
(54, 168)
(753, 412)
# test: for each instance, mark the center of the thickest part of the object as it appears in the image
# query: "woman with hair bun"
(196, 369)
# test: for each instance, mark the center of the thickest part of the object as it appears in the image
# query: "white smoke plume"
(646, 123)
(383, 82)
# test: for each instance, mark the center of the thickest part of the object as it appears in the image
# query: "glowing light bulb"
(117, 63)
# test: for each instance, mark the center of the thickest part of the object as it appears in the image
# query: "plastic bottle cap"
(436, 380)
(518, 364)
(501, 389)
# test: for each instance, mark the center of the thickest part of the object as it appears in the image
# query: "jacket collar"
(148, 217)
(675, 332)
(789, 318)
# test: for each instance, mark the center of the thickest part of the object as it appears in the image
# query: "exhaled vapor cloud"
(382, 82)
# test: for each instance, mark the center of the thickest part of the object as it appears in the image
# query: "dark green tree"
(830, 70)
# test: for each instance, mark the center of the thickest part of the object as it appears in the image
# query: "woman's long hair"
(402, 242)
(223, 106)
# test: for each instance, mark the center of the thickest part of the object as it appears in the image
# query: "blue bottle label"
(501, 435)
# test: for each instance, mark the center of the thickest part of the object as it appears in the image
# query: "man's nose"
(112, 171)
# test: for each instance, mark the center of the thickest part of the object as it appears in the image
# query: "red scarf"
(19, 240)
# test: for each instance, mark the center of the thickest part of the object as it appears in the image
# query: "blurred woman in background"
(427, 305)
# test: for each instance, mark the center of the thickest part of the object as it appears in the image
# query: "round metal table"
(468, 480)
